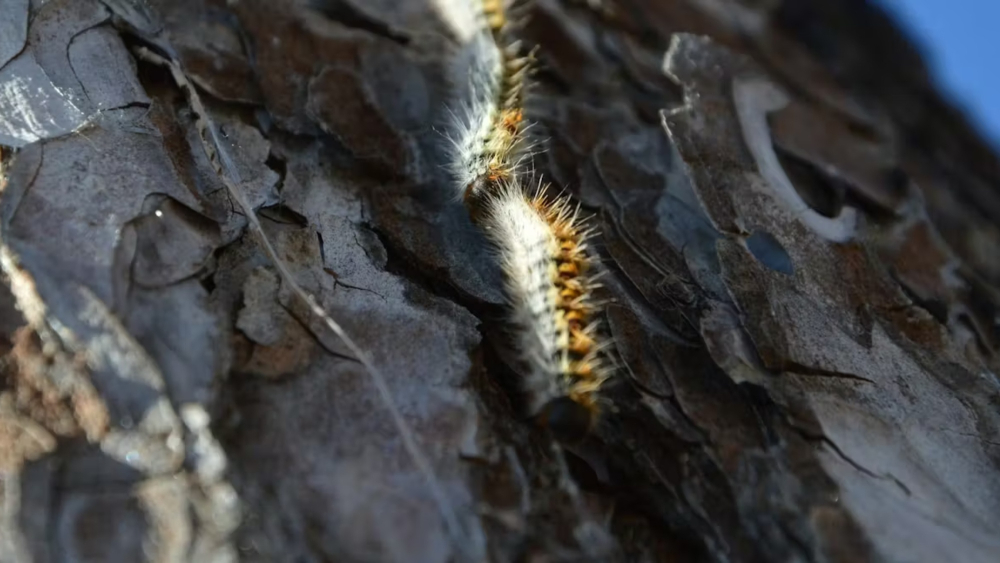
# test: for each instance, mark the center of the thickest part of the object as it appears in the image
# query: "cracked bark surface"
(803, 284)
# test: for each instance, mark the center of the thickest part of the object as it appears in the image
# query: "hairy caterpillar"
(489, 129)
(542, 250)
(540, 240)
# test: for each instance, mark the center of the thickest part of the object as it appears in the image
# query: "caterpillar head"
(569, 421)
(475, 193)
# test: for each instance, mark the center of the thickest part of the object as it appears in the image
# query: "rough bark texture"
(803, 274)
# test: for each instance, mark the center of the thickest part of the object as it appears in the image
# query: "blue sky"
(961, 41)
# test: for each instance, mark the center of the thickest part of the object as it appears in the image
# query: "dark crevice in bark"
(346, 13)
(807, 371)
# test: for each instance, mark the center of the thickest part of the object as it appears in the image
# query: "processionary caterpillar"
(540, 240)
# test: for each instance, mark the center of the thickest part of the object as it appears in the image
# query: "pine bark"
(799, 237)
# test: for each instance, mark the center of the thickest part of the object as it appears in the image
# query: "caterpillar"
(541, 245)
(489, 128)
(540, 241)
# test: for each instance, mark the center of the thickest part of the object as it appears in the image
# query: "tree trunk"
(798, 238)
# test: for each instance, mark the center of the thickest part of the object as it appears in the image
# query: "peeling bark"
(799, 237)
